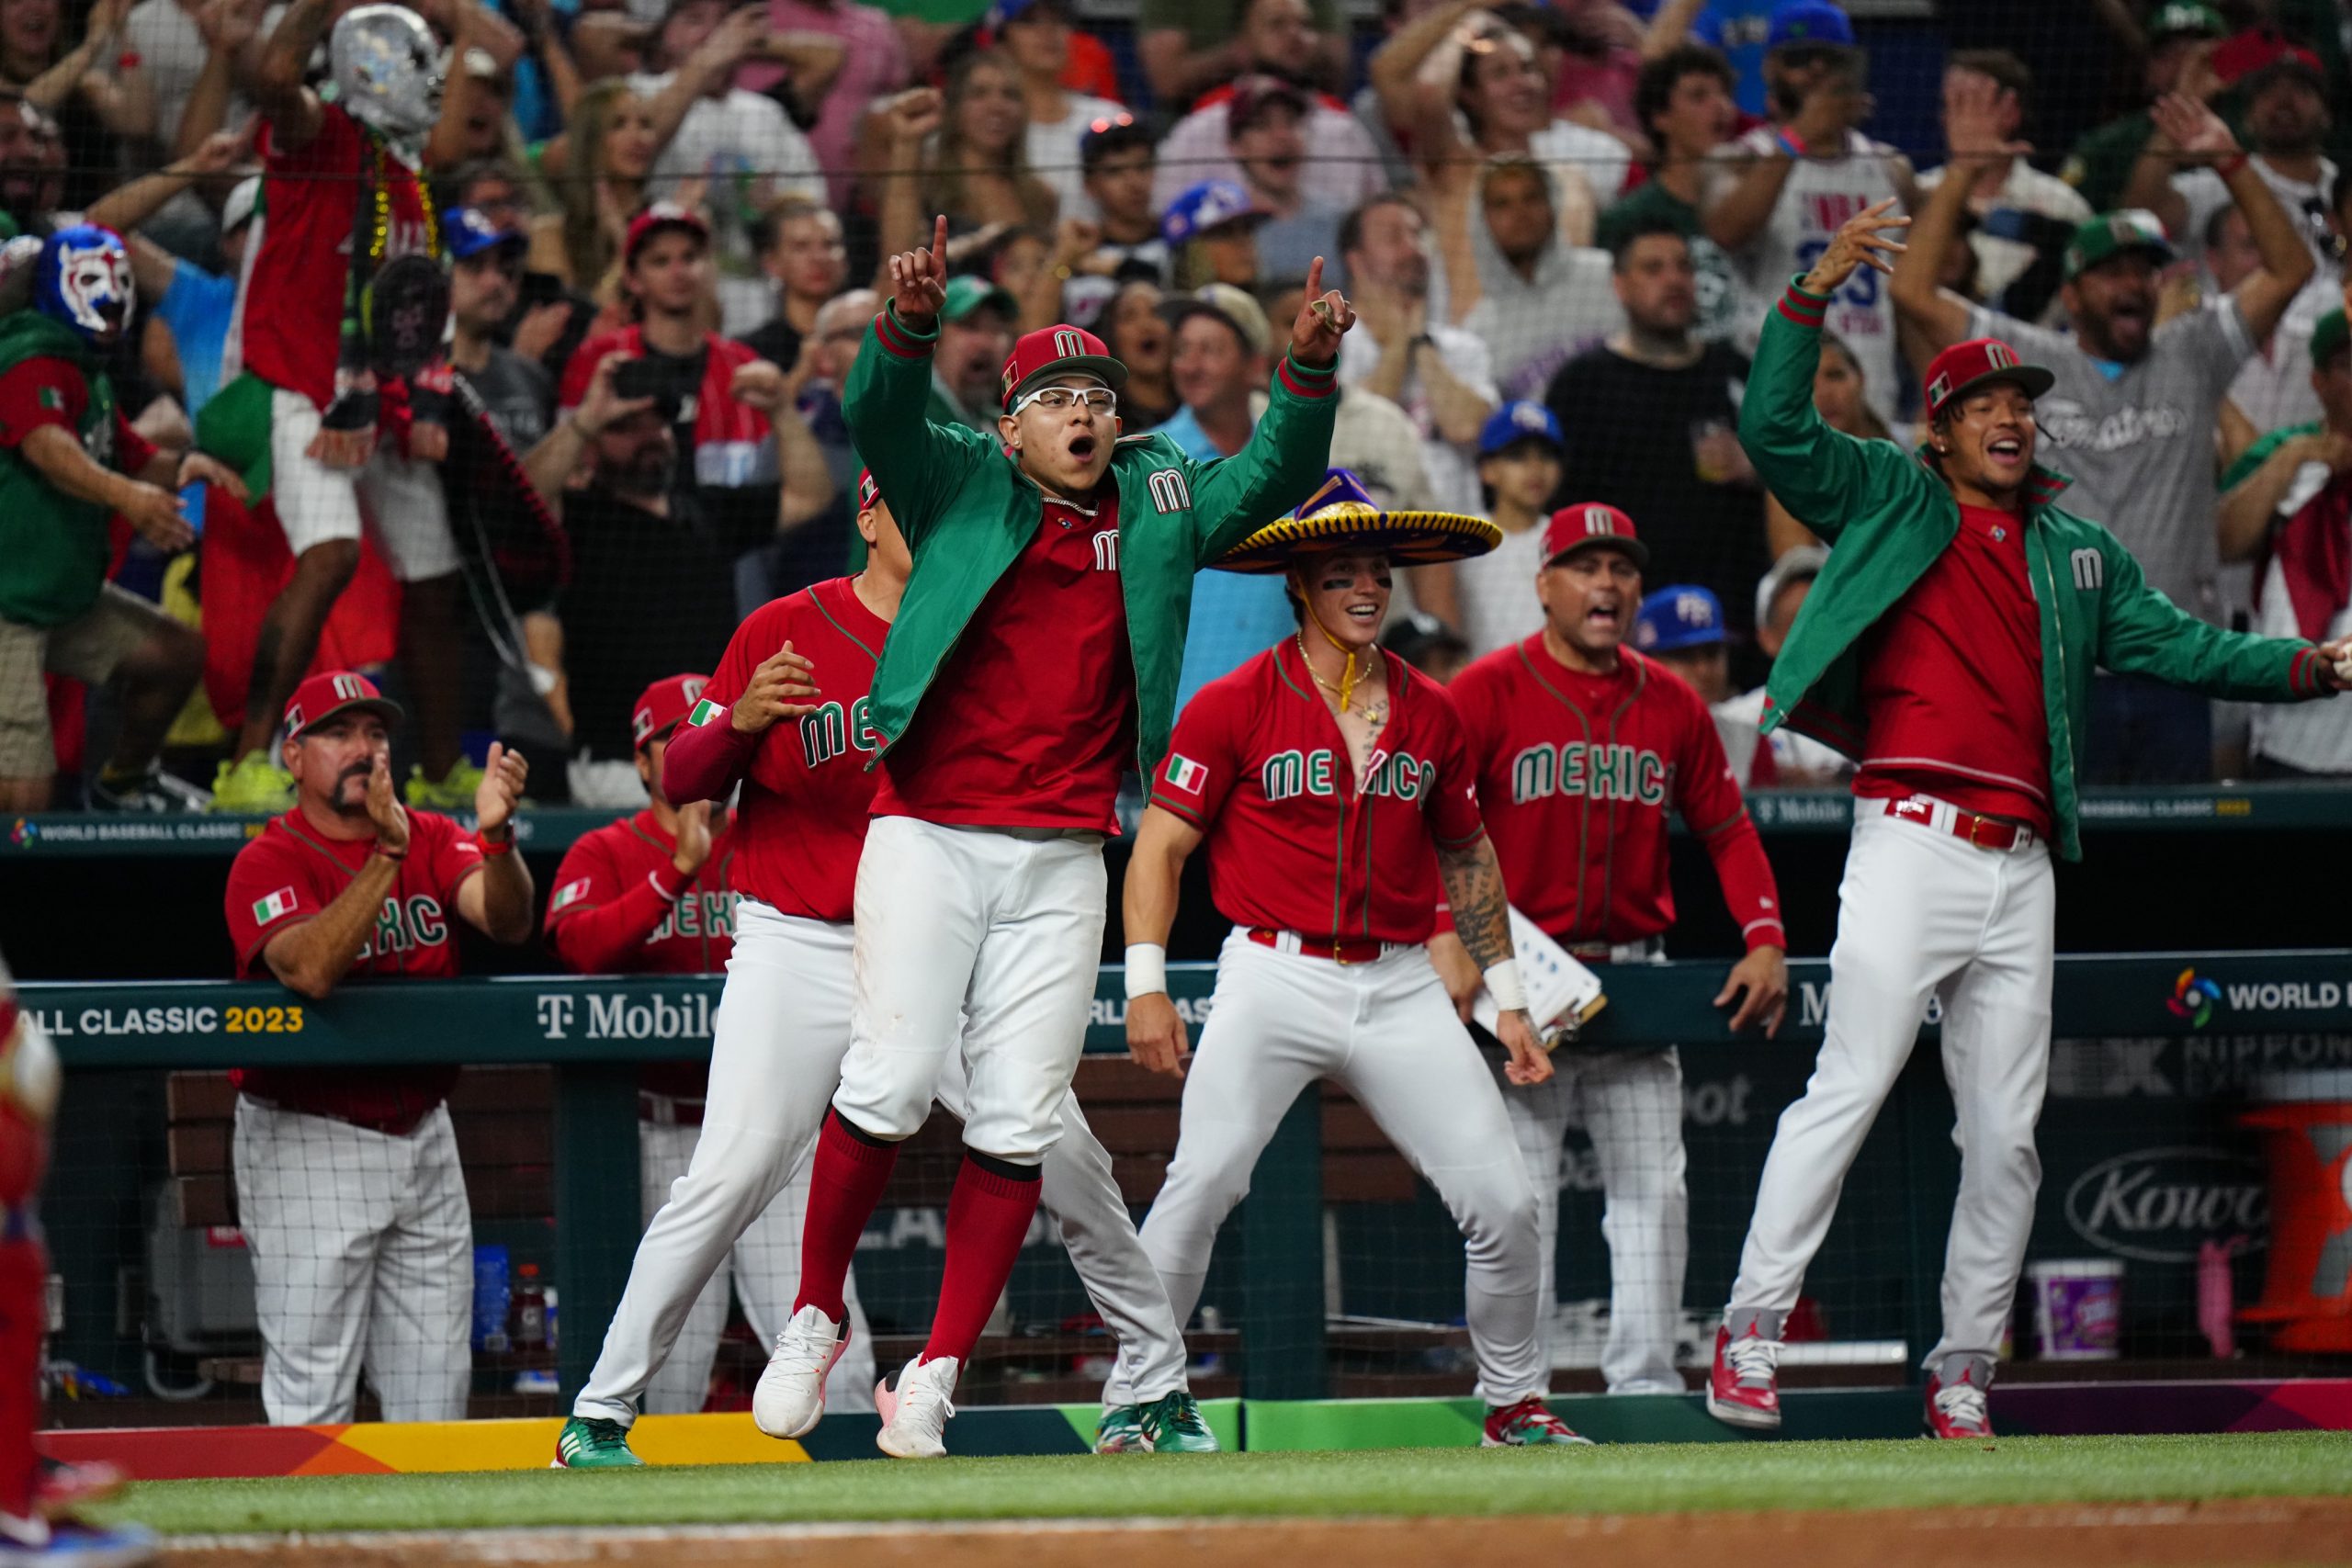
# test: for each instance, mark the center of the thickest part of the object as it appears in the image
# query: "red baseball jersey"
(1577, 774)
(1257, 763)
(800, 824)
(289, 311)
(1030, 720)
(291, 875)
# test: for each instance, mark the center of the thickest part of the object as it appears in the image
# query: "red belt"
(668, 1111)
(1364, 952)
(1980, 832)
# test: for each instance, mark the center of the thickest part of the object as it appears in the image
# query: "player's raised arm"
(919, 465)
(1147, 905)
(277, 88)
(1290, 451)
(498, 902)
(1473, 887)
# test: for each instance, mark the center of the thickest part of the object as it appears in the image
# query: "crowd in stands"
(1560, 224)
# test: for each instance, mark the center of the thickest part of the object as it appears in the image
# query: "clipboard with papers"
(1562, 994)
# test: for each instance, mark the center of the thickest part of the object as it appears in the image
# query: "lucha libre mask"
(388, 71)
(84, 280)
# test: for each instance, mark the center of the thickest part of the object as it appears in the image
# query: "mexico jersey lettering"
(1578, 775)
(800, 823)
(696, 935)
(1258, 764)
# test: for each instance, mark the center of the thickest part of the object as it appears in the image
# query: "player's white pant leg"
(1540, 1115)
(1275, 1025)
(1996, 1060)
(775, 1051)
(682, 1385)
(315, 504)
(767, 1279)
(1910, 909)
(1413, 1066)
(1632, 1102)
(418, 1357)
(312, 1193)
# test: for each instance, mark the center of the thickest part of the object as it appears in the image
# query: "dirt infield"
(2276, 1531)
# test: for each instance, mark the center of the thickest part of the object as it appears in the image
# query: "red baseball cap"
(653, 219)
(1592, 524)
(331, 691)
(1057, 351)
(1981, 361)
(662, 706)
(869, 494)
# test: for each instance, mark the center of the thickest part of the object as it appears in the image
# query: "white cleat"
(790, 1399)
(914, 1415)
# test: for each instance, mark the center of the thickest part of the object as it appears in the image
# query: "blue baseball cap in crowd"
(1682, 617)
(1514, 423)
(470, 234)
(1809, 22)
(1206, 206)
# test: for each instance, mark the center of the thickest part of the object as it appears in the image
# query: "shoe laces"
(1960, 1403)
(922, 1389)
(1531, 1412)
(603, 1434)
(802, 1347)
(1176, 1410)
(1753, 1359)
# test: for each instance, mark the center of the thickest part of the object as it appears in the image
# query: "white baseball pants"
(1630, 1103)
(994, 932)
(1921, 913)
(1387, 1033)
(362, 1248)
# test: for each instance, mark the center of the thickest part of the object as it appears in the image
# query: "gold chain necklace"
(1372, 713)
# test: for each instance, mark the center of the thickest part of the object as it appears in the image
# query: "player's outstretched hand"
(502, 775)
(384, 808)
(1323, 319)
(919, 280)
(1761, 980)
(1861, 241)
(2336, 664)
(780, 688)
(1528, 1062)
(1456, 971)
(1155, 1039)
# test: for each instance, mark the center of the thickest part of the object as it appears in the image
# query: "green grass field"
(1649, 1478)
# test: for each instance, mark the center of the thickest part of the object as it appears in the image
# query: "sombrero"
(1341, 515)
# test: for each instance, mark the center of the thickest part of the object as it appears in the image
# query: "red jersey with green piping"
(1294, 842)
(1577, 775)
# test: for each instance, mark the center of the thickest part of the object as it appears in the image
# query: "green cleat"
(1174, 1424)
(453, 792)
(255, 785)
(1121, 1432)
(587, 1442)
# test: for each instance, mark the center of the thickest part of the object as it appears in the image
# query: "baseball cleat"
(1956, 1407)
(30, 1541)
(61, 1488)
(1172, 1425)
(454, 791)
(253, 785)
(1529, 1424)
(790, 1399)
(589, 1442)
(914, 1415)
(1741, 1387)
(1120, 1431)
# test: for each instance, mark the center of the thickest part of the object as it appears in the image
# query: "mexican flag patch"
(705, 711)
(278, 903)
(571, 893)
(1185, 773)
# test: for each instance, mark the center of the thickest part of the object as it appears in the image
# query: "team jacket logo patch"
(1169, 491)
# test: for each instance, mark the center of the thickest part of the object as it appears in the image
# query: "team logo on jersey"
(834, 729)
(1107, 550)
(279, 903)
(1186, 774)
(2090, 569)
(1169, 491)
(568, 895)
(704, 712)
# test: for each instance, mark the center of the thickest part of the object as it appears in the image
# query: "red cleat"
(60, 1488)
(1741, 1388)
(1956, 1409)
(1529, 1424)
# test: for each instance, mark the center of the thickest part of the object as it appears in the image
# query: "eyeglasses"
(1101, 400)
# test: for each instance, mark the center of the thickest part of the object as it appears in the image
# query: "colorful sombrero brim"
(1408, 538)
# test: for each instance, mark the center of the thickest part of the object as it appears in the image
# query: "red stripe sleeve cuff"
(1804, 308)
(1308, 380)
(898, 338)
(1764, 933)
(1189, 813)
(2303, 675)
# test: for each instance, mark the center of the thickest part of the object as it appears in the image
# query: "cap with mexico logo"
(869, 494)
(331, 691)
(1065, 350)
(2112, 235)
(1981, 361)
(1684, 615)
(1592, 524)
(664, 705)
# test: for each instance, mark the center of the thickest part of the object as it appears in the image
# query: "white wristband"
(1146, 969)
(1503, 985)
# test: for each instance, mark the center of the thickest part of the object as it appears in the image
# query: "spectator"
(2131, 414)
(740, 145)
(1139, 338)
(185, 335)
(1681, 627)
(1805, 173)
(1837, 396)
(2181, 36)
(610, 146)
(2024, 217)
(1428, 644)
(1683, 99)
(1266, 120)
(975, 334)
(1788, 760)
(1024, 264)
(496, 188)
(1211, 232)
(92, 106)
(1651, 419)
(1118, 159)
(1512, 281)
(1466, 85)
(1222, 356)
(2275, 385)
(1037, 35)
(2287, 119)
(1520, 454)
(826, 358)
(69, 461)
(1188, 46)
(173, 38)
(349, 1190)
(1738, 31)
(1342, 164)
(800, 249)
(485, 277)
(979, 173)
(874, 67)
(21, 209)
(2287, 505)
(1439, 374)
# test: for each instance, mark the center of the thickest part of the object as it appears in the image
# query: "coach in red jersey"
(349, 1185)
(1582, 749)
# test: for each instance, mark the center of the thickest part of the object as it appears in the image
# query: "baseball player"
(1581, 747)
(655, 894)
(348, 1186)
(784, 1024)
(1949, 645)
(1036, 653)
(1328, 859)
